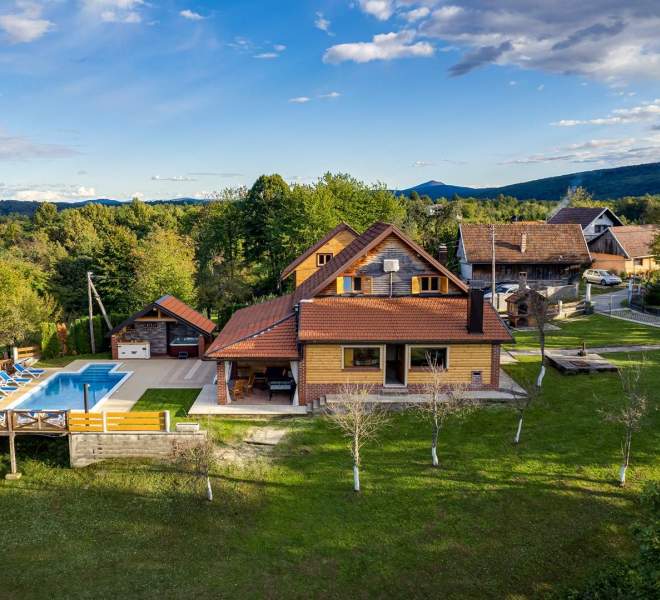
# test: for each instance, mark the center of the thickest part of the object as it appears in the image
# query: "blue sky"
(168, 98)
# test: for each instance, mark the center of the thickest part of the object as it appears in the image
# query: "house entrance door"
(395, 365)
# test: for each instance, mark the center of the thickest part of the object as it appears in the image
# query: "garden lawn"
(63, 361)
(596, 330)
(495, 521)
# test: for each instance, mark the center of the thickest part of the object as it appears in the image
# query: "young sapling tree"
(359, 421)
(523, 398)
(539, 311)
(198, 456)
(633, 411)
(441, 400)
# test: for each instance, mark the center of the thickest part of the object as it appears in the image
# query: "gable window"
(361, 357)
(323, 258)
(429, 284)
(352, 284)
(421, 356)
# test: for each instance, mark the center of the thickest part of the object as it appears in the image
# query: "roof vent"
(391, 265)
(523, 243)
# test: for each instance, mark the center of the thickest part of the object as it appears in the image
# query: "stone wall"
(154, 332)
(88, 448)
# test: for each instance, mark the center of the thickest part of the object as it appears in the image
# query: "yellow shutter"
(340, 285)
(366, 285)
(348, 357)
(416, 285)
(444, 285)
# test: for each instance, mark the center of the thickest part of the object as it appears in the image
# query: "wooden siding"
(323, 364)
(308, 266)
(463, 359)
(371, 265)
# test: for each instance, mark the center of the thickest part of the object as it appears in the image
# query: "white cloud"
(540, 88)
(23, 148)
(59, 193)
(115, 11)
(191, 15)
(27, 25)
(608, 40)
(279, 47)
(384, 46)
(267, 55)
(300, 100)
(643, 112)
(416, 14)
(381, 9)
(330, 95)
(512, 82)
(176, 178)
(322, 23)
(423, 163)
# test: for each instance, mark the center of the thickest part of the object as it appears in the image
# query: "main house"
(367, 309)
(626, 249)
(541, 253)
(593, 220)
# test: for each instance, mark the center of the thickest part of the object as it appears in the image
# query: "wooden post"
(105, 422)
(13, 469)
(90, 312)
(86, 397)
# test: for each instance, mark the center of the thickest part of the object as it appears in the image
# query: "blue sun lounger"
(9, 380)
(23, 370)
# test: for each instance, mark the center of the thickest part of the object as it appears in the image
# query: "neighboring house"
(593, 221)
(541, 253)
(166, 327)
(370, 315)
(320, 253)
(625, 249)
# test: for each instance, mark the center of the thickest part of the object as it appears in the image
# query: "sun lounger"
(8, 379)
(5, 390)
(36, 373)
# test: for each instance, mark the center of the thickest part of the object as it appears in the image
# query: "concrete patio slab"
(207, 404)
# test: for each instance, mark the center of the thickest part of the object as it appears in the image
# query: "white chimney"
(523, 242)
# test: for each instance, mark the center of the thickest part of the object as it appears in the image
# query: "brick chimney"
(475, 311)
(523, 242)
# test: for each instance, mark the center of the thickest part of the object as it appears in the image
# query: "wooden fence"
(26, 352)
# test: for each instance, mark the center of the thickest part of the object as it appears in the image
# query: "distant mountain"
(23, 207)
(603, 184)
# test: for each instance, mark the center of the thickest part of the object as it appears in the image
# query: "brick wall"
(114, 347)
(495, 367)
(154, 332)
(201, 346)
(221, 386)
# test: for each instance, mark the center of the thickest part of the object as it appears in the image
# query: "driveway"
(601, 302)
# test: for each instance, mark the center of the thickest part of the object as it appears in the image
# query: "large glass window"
(362, 357)
(420, 357)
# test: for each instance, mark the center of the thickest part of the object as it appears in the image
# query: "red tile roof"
(358, 248)
(180, 309)
(635, 240)
(398, 319)
(277, 341)
(251, 321)
(324, 240)
(545, 243)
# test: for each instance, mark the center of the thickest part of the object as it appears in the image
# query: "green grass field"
(495, 521)
(595, 330)
(63, 361)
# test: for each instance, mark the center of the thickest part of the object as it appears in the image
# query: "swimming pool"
(64, 390)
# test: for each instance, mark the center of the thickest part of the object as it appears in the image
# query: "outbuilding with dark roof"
(594, 220)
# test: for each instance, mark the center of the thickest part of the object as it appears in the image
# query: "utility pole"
(493, 300)
(90, 312)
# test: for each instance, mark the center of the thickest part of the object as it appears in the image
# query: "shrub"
(50, 341)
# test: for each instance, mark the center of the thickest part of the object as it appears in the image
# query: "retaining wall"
(88, 448)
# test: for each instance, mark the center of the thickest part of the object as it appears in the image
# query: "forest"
(221, 254)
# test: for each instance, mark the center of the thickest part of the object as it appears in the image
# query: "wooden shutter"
(415, 284)
(348, 358)
(366, 285)
(340, 285)
(444, 285)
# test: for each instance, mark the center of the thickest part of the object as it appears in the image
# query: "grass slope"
(63, 361)
(495, 521)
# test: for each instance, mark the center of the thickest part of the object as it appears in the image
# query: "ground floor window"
(422, 356)
(356, 357)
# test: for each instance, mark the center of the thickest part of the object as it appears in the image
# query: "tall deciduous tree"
(165, 265)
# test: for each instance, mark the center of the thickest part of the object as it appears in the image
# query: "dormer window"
(352, 284)
(323, 258)
(429, 284)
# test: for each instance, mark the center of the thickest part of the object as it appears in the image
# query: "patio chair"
(239, 389)
(28, 372)
(6, 390)
(9, 380)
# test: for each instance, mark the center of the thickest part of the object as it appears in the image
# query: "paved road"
(602, 301)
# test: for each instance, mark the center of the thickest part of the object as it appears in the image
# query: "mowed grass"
(63, 361)
(495, 521)
(596, 330)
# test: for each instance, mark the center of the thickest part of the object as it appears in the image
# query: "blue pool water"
(65, 390)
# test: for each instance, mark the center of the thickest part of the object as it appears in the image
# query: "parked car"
(601, 276)
(502, 288)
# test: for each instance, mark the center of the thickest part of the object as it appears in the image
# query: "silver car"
(601, 276)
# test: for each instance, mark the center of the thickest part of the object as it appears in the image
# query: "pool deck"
(160, 373)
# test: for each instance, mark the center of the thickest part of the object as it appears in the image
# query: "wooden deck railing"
(26, 421)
